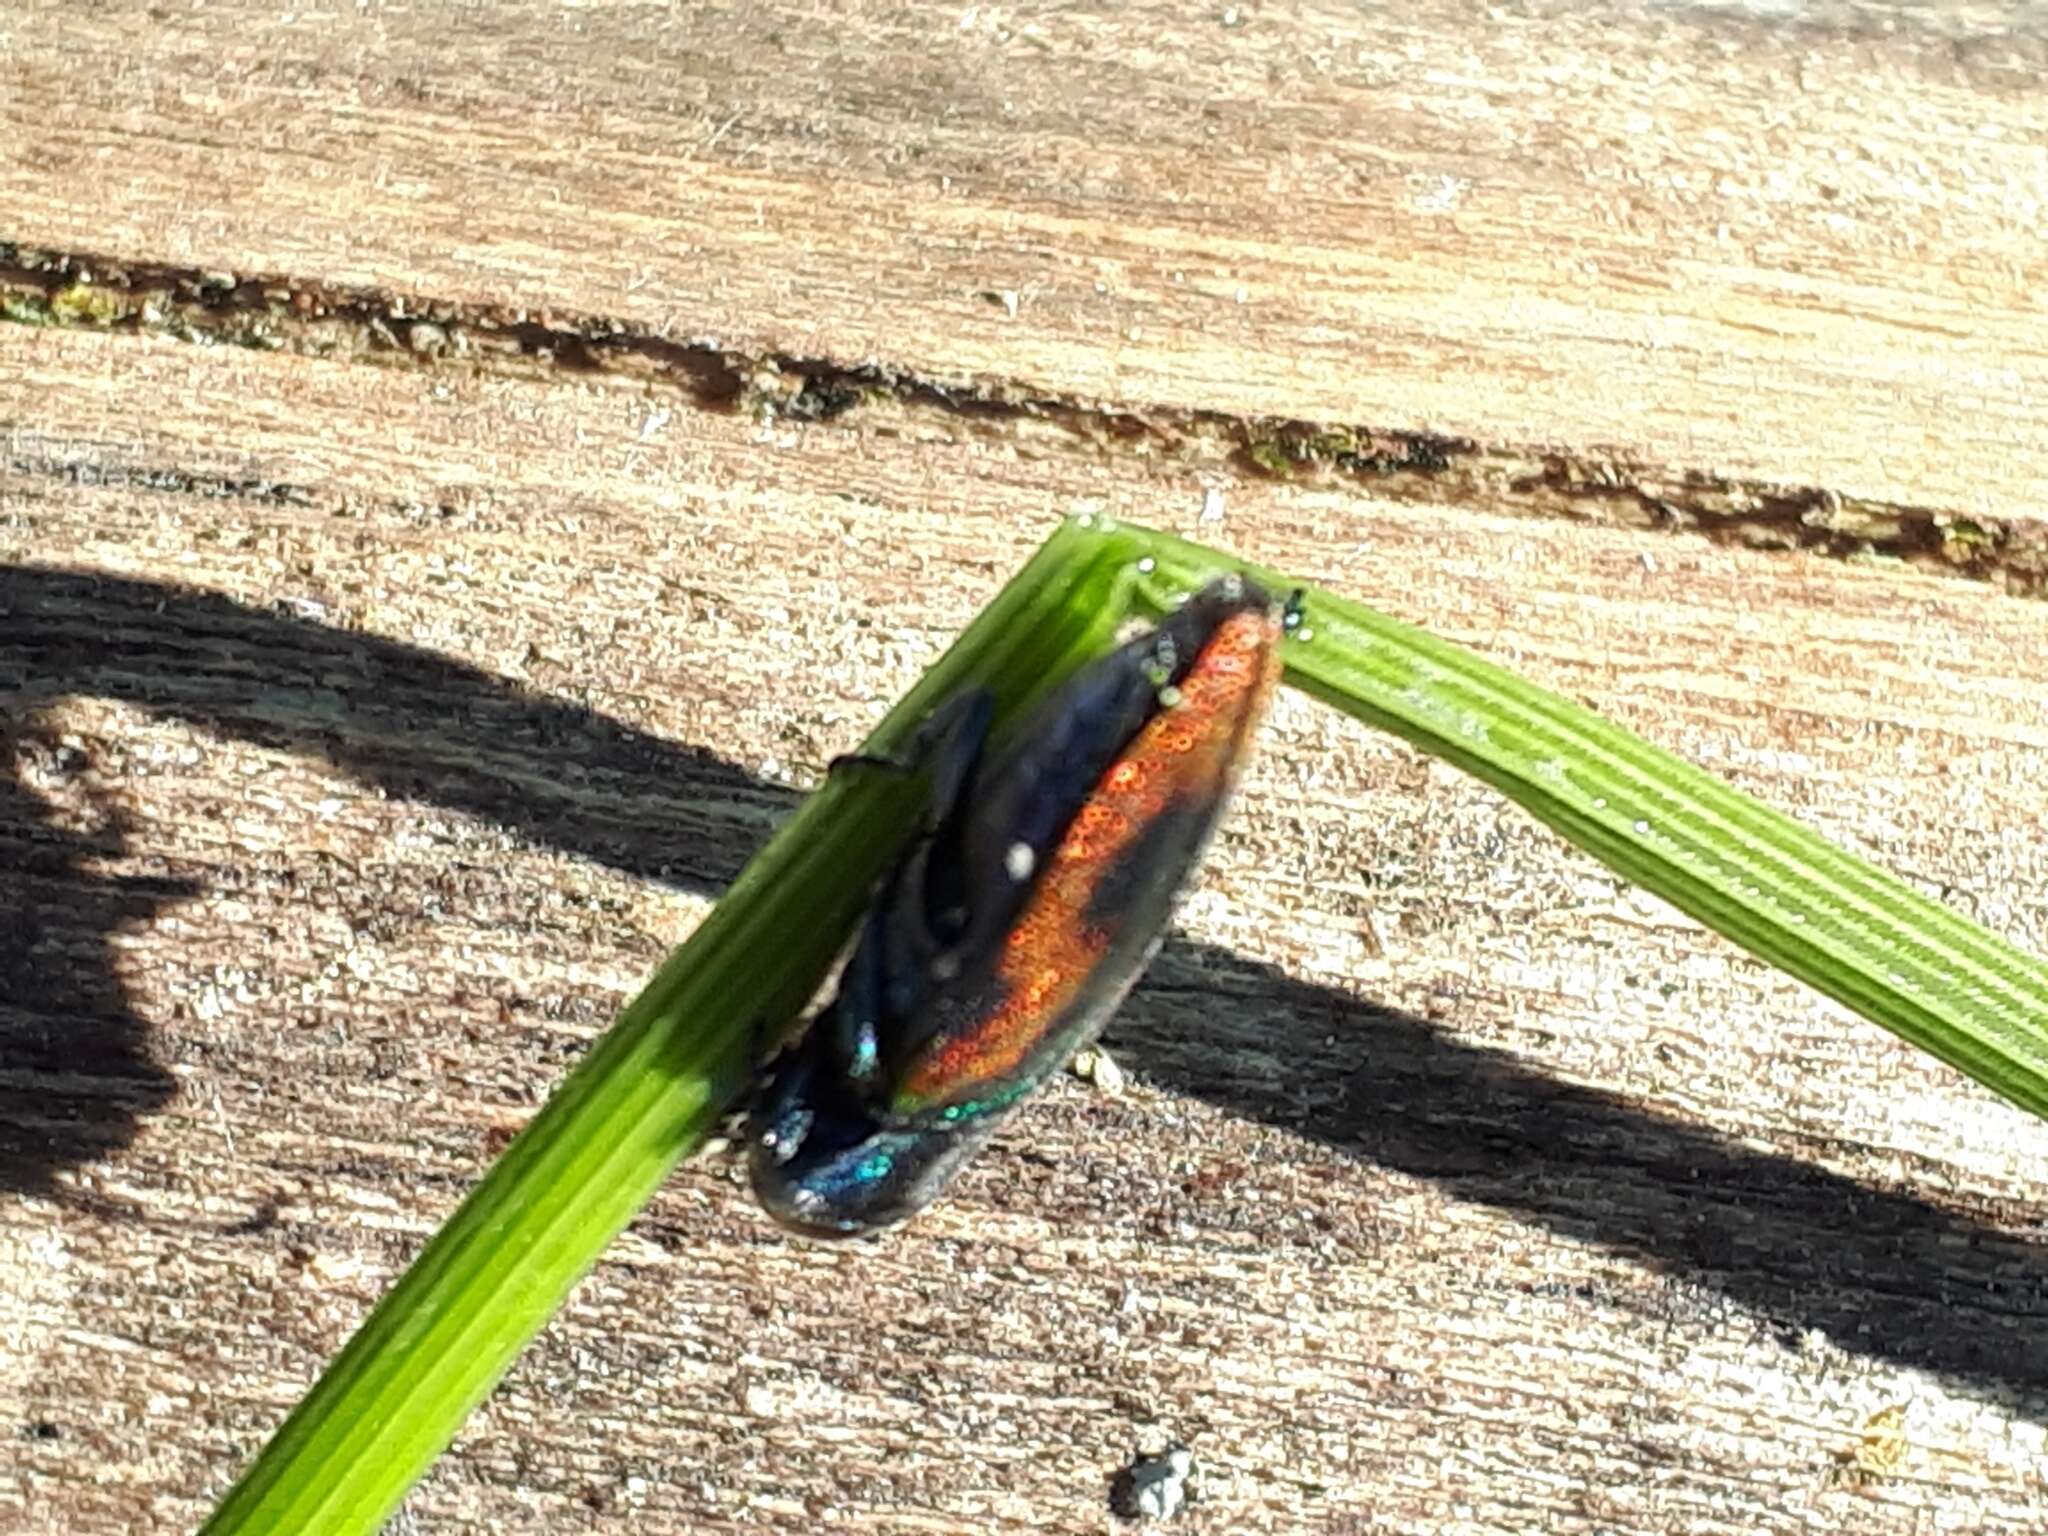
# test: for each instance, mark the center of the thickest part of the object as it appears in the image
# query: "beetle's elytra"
(1012, 927)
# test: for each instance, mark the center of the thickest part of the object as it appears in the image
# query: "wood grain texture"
(377, 711)
(1798, 245)
(366, 756)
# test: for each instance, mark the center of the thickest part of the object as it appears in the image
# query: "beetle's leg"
(1292, 614)
(945, 744)
(909, 922)
(966, 712)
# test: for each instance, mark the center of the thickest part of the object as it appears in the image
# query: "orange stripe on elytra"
(1048, 956)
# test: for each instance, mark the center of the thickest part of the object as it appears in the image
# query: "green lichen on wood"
(83, 304)
(26, 309)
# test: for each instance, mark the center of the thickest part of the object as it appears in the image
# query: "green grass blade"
(662, 1075)
(1748, 872)
(648, 1092)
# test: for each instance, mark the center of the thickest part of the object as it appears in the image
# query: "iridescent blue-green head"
(825, 1166)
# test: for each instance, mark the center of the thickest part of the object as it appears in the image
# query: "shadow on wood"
(1880, 1272)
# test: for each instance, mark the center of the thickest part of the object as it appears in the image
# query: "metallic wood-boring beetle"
(1011, 928)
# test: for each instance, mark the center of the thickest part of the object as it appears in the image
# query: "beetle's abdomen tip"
(799, 1209)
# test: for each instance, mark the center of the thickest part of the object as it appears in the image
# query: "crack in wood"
(42, 287)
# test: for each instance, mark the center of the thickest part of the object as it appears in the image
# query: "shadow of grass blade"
(648, 1092)
(1750, 873)
(664, 1072)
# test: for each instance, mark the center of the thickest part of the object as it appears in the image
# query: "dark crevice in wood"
(40, 287)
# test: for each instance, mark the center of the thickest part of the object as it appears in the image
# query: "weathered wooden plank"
(1798, 247)
(374, 730)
